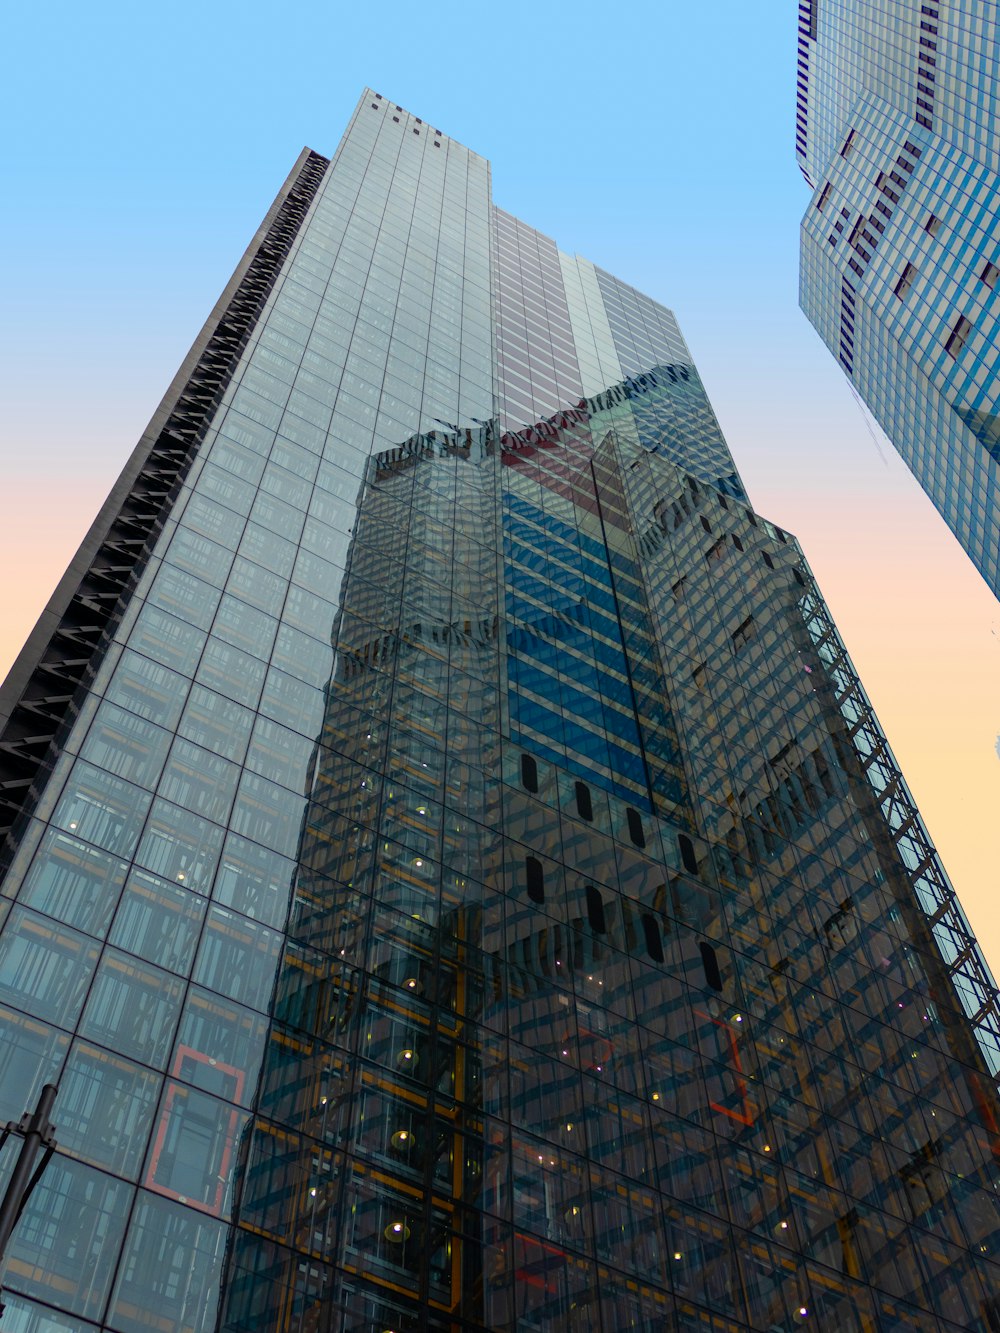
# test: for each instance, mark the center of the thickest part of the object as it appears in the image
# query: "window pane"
(105, 1108)
(73, 882)
(45, 967)
(169, 1278)
(67, 1241)
(133, 1008)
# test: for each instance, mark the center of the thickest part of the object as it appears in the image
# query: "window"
(848, 144)
(989, 275)
(736, 541)
(905, 282)
(912, 148)
(959, 336)
(743, 634)
(933, 225)
(824, 195)
(705, 523)
(529, 773)
(715, 553)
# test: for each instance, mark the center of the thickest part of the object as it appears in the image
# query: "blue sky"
(144, 143)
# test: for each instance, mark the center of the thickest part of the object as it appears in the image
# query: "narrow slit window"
(688, 858)
(654, 942)
(595, 911)
(529, 773)
(710, 964)
(989, 275)
(584, 805)
(536, 879)
(635, 829)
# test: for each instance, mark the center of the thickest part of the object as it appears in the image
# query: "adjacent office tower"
(897, 132)
(453, 873)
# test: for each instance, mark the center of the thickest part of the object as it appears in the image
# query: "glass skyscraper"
(898, 134)
(452, 871)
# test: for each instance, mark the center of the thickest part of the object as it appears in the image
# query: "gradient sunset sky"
(145, 144)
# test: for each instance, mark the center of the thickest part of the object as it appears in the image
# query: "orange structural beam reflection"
(744, 1117)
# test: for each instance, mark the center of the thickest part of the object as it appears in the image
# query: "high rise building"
(452, 871)
(897, 132)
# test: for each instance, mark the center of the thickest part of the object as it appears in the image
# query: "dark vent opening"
(654, 944)
(536, 879)
(688, 858)
(635, 829)
(595, 911)
(584, 806)
(710, 963)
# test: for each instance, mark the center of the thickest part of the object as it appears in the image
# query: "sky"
(145, 143)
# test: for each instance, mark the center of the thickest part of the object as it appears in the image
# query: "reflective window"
(133, 1008)
(170, 1271)
(105, 1108)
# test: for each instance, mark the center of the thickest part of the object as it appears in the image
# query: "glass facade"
(469, 888)
(897, 133)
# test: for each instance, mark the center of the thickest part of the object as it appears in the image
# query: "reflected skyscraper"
(453, 873)
(898, 136)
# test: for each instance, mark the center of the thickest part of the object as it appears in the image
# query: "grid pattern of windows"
(474, 893)
(910, 88)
